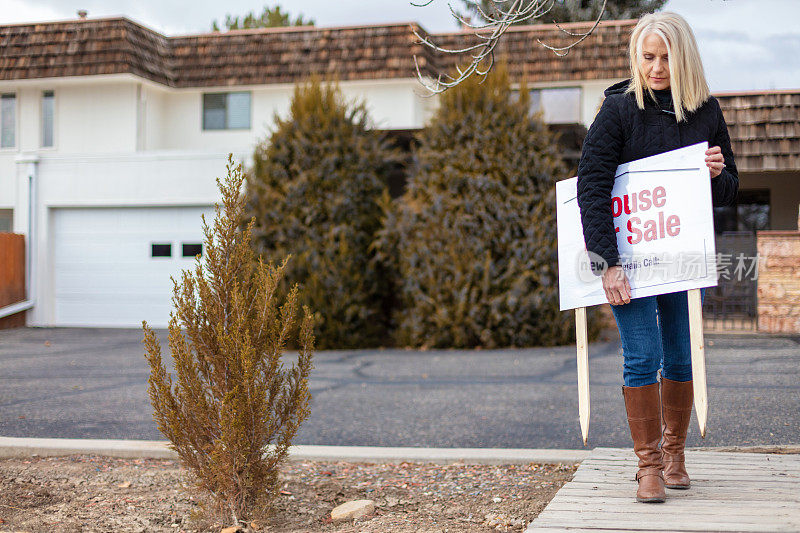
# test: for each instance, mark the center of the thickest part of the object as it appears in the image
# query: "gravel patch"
(93, 493)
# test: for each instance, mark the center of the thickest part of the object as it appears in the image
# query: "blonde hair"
(687, 78)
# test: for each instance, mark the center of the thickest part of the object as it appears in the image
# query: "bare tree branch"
(564, 50)
(498, 23)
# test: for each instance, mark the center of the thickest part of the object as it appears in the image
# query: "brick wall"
(779, 281)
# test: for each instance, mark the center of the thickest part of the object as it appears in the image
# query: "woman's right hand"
(615, 283)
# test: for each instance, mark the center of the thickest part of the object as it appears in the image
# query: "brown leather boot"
(643, 407)
(676, 411)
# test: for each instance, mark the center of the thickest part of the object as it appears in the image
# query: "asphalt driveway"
(92, 383)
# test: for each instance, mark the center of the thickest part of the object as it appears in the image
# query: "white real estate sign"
(664, 226)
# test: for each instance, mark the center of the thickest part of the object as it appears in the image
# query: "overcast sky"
(745, 44)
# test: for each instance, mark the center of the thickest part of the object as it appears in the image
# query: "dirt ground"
(91, 493)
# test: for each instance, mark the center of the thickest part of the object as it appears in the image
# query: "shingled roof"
(285, 55)
(83, 48)
(603, 55)
(764, 129)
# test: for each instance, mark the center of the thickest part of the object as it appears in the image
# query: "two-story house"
(112, 135)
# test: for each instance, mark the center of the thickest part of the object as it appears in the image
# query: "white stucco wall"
(154, 100)
(392, 104)
(113, 180)
(92, 115)
(182, 122)
(96, 118)
(28, 118)
(124, 113)
(7, 180)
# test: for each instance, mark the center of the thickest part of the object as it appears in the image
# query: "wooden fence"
(12, 277)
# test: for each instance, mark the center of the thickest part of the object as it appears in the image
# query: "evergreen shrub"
(316, 190)
(233, 409)
(473, 239)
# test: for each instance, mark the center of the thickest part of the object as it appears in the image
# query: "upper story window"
(226, 111)
(48, 118)
(560, 105)
(8, 120)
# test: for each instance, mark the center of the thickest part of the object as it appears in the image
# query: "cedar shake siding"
(764, 129)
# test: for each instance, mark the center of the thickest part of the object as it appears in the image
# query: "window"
(48, 108)
(191, 250)
(8, 120)
(560, 105)
(750, 212)
(6, 219)
(226, 111)
(161, 250)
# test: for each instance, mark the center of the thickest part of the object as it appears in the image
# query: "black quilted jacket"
(622, 132)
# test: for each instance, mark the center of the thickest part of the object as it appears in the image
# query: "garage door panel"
(99, 285)
(104, 273)
(95, 311)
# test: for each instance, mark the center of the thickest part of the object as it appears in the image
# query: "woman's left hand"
(714, 161)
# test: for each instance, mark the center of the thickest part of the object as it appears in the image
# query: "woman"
(665, 105)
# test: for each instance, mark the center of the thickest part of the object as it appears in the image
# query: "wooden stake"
(583, 371)
(698, 358)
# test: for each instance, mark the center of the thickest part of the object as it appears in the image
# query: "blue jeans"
(655, 334)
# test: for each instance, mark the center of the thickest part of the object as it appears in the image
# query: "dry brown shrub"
(233, 409)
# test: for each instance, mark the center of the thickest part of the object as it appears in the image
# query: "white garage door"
(112, 266)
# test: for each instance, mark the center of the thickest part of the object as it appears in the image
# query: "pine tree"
(270, 17)
(475, 231)
(233, 410)
(315, 190)
(570, 10)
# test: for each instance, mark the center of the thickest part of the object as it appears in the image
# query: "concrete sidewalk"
(158, 449)
(22, 447)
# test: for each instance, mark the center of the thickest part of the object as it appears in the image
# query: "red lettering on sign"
(616, 206)
(638, 201)
(644, 198)
(653, 229)
(637, 234)
(650, 230)
(659, 196)
(673, 225)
